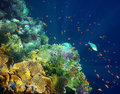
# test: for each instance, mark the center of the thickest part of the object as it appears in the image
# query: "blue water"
(95, 18)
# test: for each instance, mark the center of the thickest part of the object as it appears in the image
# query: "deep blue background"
(102, 18)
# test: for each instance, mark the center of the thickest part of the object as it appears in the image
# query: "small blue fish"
(11, 86)
(93, 46)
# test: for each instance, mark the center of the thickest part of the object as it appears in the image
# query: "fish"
(74, 55)
(93, 46)
(17, 30)
(44, 24)
(117, 77)
(99, 89)
(61, 63)
(98, 75)
(55, 38)
(73, 47)
(72, 73)
(76, 61)
(87, 82)
(106, 86)
(99, 54)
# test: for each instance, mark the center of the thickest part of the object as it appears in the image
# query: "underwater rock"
(7, 27)
(60, 86)
(81, 90)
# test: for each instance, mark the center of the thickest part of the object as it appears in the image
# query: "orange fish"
(55, 56)
(100, 54)
(86, 44)
(117, 77)
(87, 82)
(75, 60)
(46, 15)
(98, 75)
(106, 86)
(80, 43)
(68, 17)
(46, 31)
(44, 24)
(54, 37)
(95, 70)
(64, 30)
(73, 43)
(73, 47)
(108, 71)
(111, 73)
(108, 66)
(99, 89)
(74, 55)
(72, 73)
(17, 30)
(61, 63)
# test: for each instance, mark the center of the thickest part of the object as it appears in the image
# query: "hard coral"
(7, 27)
(62, 63)
(26, 79)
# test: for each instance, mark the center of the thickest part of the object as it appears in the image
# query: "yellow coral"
(33, 54)
(4, 49)
(4, 68)
(3, 59)
(39, 83)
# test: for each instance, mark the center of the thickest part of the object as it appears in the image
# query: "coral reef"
(25, 78)
(28, 64)
(58, 61)
(6, 27)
